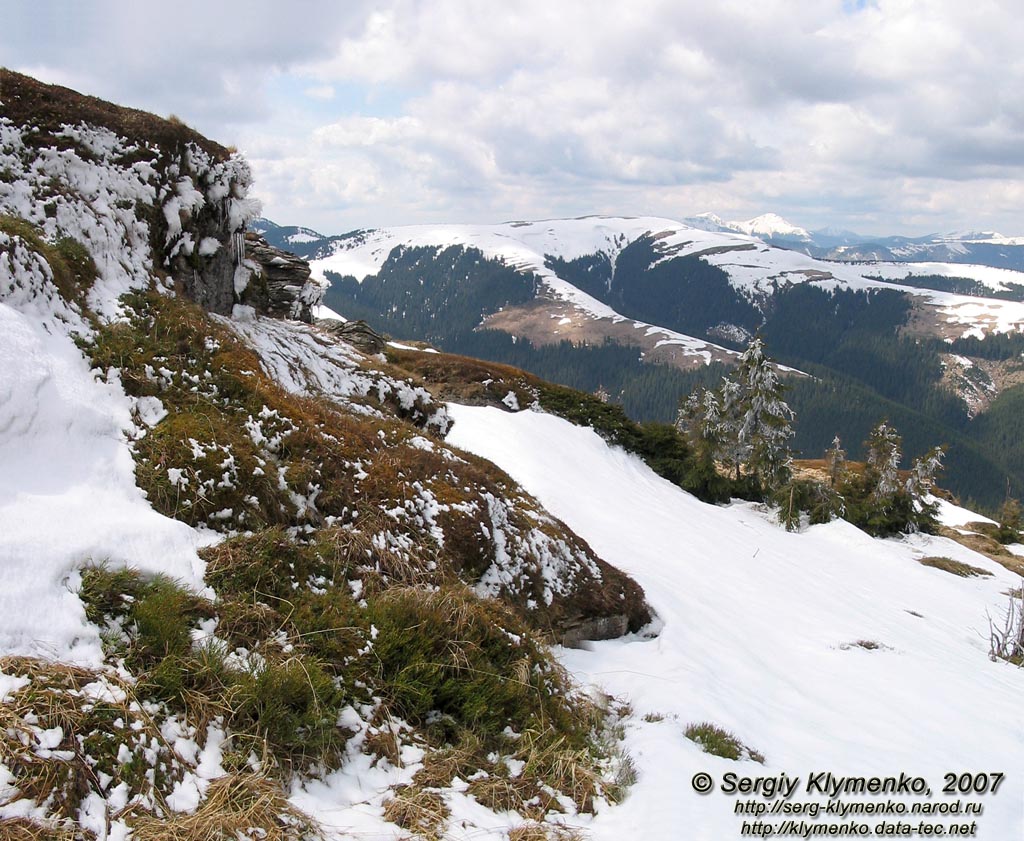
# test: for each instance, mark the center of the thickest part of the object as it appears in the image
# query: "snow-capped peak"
(770, 225)
(711, 222)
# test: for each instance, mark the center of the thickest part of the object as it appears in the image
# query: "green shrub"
(450, 653)
(293, 704)
(816, 499)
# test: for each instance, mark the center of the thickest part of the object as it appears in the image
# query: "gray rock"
(280, 284)
(356, 333)
(574, 634)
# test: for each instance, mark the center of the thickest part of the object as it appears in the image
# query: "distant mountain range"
(977, 247)
(985, 248)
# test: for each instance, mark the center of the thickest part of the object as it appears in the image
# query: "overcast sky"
(881, 117)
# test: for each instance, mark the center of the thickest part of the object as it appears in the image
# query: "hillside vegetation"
(365, 601)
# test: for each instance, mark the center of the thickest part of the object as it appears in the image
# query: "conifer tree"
(765, 419)
(922, 475)
(919, 486)
(1010, 522)
(835, 462)
(884, 456)
(700, 419)
(733, 449)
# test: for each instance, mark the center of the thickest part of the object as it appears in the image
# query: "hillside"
(593, 302)
(223, 535)
(263, 582)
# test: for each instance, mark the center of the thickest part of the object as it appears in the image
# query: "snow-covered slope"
(755, 269)
(760, 631)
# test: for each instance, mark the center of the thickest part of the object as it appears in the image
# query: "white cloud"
(895, 115)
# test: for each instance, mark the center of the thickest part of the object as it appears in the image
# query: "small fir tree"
(733, 450)
(1010, 522)
(835, 463)
(765, 419)
(883, 446)
(919, 486)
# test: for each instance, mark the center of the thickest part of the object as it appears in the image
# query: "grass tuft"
(240, 805)
(533, 831)
(418, 810)
(719, 742)
(954, 567)
(26, 829)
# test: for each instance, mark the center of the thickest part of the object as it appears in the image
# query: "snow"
(68, 480)
(321, 311)
(754, 268)
(993, 278)
(66, 462)
(953, 515)
(524, 246)
(302, 237)
(770, 225)
(401, 346)
(756, 626)
(306, 362)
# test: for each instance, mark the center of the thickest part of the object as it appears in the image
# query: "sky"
(878, 116)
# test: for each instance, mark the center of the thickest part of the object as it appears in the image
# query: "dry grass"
(384, 738)
(236, 806)
(449, 376)
(92, 733)
(954, 567)
(23, 829)
(418, 810)
(867, 645)
(28, 101)
(567, 769)
(533, 831)
(987, 546)
(522, 795)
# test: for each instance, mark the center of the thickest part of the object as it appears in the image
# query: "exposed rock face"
(357, 333)
(279, 284)
(124, 182)
(596, 628)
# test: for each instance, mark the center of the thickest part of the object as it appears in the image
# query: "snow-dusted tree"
(883, 462)
(733, 451)
(765, 419)
(835, 462)
(923, 507)
(602, 394)
(922, 475)
(700, 420)
(687, 413)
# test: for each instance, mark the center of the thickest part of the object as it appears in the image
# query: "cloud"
(886, 115)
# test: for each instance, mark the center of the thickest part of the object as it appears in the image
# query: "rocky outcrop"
(146, 196)
(357, 333)
(279, 282)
